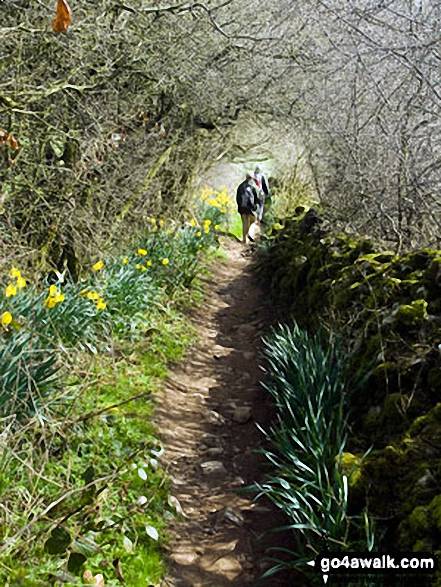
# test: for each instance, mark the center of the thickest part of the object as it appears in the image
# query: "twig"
(98, 412)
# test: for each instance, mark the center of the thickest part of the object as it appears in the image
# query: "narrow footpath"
(208, 414)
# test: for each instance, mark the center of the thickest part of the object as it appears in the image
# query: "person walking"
(263, 190)
(247, 203)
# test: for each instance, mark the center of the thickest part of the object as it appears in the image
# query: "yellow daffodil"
(101, 305)
(216, 227)
(125, 261)
(199, 233)
(207, 221)
(142, 252)
(99, 265)
(165, 261)
(143, 268)
(152, 220)
(137, 266)
(15, 273)
(6, 318)
(149, 263)
(93, 295)
(50, 302)
(55, 297)
(161, 223)
(193, 222)
(10, 291)
(21, 282)
(169, 231)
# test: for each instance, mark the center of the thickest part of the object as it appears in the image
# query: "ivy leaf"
(59, 541)
(75, 562)
(88, 475)
(85, 546)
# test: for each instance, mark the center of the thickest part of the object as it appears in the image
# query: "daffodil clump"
(95, 297)
(215, 205)
(16, 285)
(55, 297)
(115, 296)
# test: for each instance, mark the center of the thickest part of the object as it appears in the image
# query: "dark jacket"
(261, 183)
(246, 198)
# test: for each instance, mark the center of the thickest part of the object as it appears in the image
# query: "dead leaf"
(118, 570)
(7, 138)
(64, 16)
(12, 141)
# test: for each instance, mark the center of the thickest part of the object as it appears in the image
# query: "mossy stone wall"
(388, 309)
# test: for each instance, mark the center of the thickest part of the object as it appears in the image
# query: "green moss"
(430, 422)
(393, 416)
(423, 545)
(419, 522)
(435, 511)
(421, 259)
(412, 314)
(378, 259)
(385, 380)
(350, 466)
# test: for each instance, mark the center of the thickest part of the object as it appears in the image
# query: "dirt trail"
(208, 416)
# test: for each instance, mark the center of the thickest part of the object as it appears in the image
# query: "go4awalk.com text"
(331, 564)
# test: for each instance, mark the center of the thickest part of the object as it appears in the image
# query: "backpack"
(247, 200)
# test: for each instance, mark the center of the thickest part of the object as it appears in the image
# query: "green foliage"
(309, 381)
(28, 373)
(78, 440)
(101, 470)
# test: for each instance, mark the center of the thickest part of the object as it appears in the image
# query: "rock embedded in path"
(214, 451)
(213, 468)
(230, 514)
(242, 414)
(215, 417)
(246, 330)
(228, 566)
(185, 558)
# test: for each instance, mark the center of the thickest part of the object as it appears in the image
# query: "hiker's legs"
(260, 214)
(250, 219)
(247, 220)
(245, 227)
